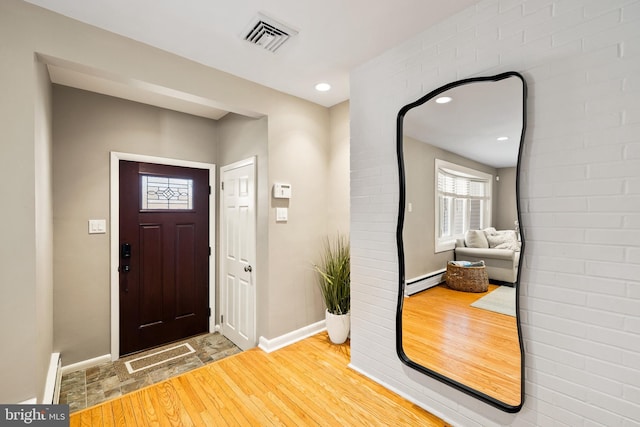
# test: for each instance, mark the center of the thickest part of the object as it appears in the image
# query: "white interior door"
(238, 253)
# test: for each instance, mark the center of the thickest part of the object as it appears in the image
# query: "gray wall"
(419, 226)
(293, 297)
(26, 285)
(44, 226)
(338, 173)
(87, 127)
(506, 212)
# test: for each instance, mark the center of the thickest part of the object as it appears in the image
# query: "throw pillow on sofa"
(502, 237)
(476, 239)
(490, 231)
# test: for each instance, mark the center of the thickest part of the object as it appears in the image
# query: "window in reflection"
(463, 202)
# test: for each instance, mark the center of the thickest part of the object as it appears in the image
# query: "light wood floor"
(475, 347)
(307, 383)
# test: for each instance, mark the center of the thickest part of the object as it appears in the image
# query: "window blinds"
(460, 186)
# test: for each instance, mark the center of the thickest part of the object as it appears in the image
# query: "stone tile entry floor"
(84, 388)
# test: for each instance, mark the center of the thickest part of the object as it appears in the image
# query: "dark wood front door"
(164, 254)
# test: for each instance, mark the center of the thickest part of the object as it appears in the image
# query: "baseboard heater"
(426, 281)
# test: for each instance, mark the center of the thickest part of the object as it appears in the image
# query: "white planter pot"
(338, 326)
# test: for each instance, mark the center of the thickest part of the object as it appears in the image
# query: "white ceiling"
(334, 36)
(470, 124)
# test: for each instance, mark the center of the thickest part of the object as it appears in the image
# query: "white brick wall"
(580, 195)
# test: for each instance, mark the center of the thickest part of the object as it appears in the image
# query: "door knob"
(248, 268)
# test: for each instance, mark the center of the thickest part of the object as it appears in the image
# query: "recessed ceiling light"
(444, 99)
(323, 87)
(502, 138)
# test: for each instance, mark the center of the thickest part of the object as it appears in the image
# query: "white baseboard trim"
(85, 364)
(284, 340)
(53, 376)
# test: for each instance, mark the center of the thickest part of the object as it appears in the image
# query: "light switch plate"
(282, 214)
(97, 226)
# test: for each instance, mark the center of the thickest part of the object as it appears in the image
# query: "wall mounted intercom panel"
(281, 191)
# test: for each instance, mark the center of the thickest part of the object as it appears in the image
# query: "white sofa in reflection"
(500, 251)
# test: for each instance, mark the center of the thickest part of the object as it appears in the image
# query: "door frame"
(114, 237)
(250, 161)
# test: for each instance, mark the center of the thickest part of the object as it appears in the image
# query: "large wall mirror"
(459, 240)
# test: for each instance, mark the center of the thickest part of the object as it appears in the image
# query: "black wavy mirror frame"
(451, 201)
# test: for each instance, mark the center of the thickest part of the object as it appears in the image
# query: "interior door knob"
(248, 268)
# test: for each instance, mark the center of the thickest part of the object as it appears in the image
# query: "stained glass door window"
(166, 193)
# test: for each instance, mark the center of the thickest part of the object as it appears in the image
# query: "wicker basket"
(467, 279)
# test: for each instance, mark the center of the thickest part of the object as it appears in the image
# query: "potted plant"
(334, 279)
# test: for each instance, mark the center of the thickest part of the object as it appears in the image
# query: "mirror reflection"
(459, 237)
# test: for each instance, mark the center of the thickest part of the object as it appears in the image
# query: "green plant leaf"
(334, 274)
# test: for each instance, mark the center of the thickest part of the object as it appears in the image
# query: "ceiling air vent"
(268, 33)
